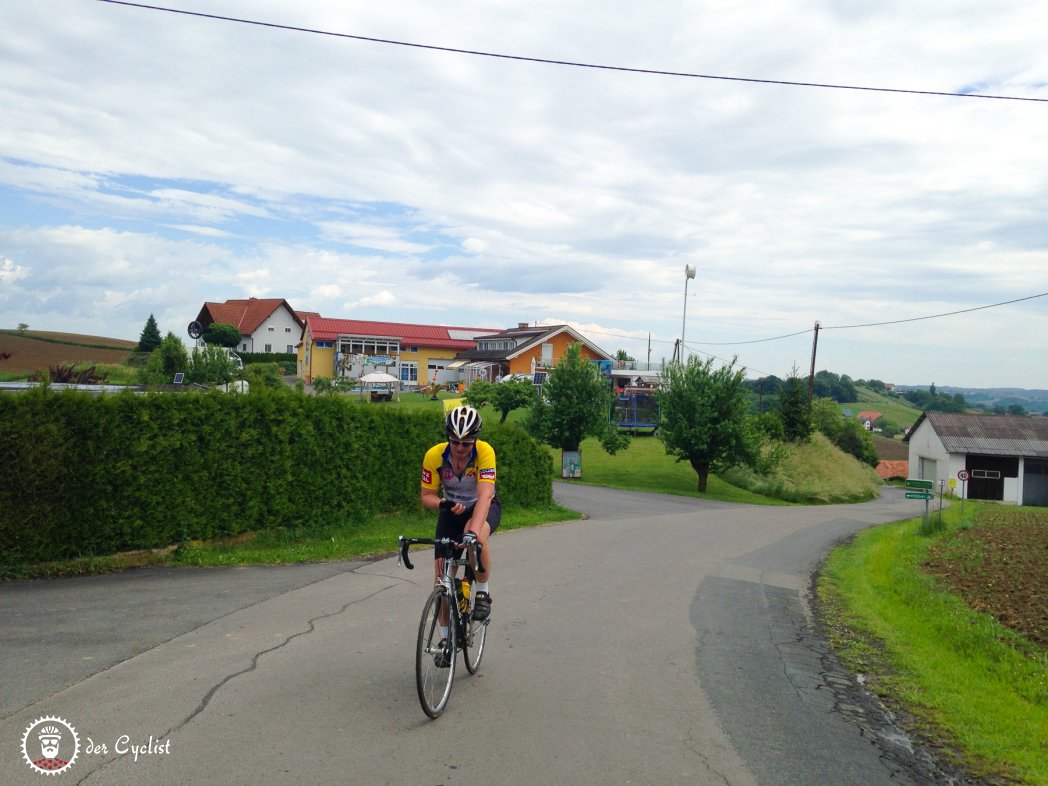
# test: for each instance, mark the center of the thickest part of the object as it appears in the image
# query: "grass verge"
(374, 538)
(974, 689)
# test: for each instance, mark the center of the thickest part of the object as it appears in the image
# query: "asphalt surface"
(661, 640)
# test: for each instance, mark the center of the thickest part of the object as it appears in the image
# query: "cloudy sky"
(151, 161)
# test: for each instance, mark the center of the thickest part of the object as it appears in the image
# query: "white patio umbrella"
(378, 377)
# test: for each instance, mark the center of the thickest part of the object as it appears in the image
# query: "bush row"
(85, 475)
(288, 361)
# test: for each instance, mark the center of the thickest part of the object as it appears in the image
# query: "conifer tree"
(150, 338)
(794, 409)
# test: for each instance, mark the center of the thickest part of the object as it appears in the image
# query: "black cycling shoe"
(442, 659)
(482, 607)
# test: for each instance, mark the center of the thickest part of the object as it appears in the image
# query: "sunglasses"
(464, 442)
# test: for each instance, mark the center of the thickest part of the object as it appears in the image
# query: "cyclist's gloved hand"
(469, 537)
(446, 504)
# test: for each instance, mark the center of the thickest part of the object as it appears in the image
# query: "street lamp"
(689, 272)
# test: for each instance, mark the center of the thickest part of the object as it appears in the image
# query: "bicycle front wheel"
(473, 645)
(435, 654)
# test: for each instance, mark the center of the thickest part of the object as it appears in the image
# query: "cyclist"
(458, 479)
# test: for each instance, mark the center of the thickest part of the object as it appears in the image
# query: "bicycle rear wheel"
(473, 645)
(434, 664)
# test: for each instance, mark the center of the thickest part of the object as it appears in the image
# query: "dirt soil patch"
(39, 350)
(1000, 567)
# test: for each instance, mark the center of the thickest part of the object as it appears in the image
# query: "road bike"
(449, 605)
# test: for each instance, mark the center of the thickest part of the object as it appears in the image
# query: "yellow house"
(414, 354)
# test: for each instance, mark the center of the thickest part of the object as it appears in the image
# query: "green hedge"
(288, 361)
(86, 475)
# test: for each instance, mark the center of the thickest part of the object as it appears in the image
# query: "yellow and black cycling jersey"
(437, 472)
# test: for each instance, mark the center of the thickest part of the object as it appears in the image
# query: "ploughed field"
(38, 350)
(1000, 567)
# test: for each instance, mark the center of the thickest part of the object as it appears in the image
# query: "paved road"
(662, 640)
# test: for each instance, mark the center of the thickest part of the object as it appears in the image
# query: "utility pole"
(811, 373)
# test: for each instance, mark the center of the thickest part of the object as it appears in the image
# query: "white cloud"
(146, 164)
(10, 272)
(381, 298)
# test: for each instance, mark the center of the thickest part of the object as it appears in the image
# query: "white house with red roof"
(414, 354)
(265, 324)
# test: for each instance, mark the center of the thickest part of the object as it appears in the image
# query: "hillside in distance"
(1032, 400)
(37, 350)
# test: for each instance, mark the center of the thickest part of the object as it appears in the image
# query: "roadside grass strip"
(972, 685)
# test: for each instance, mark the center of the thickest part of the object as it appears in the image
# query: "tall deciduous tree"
(150, 338)
(506, 396)
(703, 417)
(575, 404)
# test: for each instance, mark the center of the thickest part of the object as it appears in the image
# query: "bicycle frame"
(435, 666)
(447, 547)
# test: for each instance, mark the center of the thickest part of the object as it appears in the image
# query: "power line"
(726, 361)
(690, 345)
(933, 316)
(871, 324)
(569, 63)
(752, 341)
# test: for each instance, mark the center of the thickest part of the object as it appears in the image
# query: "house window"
(270, 329)
(414, 349)
(990, 474)
(409, 371)
(547, 355)
(363, 345)
(290, 349)
(287, 330)
(269, 348)
(243, 347)
(325, 344)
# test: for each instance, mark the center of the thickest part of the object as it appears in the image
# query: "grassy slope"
(895, 411)
(815, 472)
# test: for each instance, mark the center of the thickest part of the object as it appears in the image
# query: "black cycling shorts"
(450, 525)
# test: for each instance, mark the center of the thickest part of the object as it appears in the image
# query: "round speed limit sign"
(962, 475)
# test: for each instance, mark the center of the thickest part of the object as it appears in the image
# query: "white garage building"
(1005, 456)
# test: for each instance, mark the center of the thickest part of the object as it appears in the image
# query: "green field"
(896, 412)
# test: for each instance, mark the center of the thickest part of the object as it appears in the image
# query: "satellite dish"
(196, 330)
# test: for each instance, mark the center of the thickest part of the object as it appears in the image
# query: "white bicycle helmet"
(463, 423)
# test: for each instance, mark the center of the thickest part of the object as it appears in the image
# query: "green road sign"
(918, 495)
(914, 483)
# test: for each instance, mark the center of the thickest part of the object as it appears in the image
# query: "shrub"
(87, 475)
